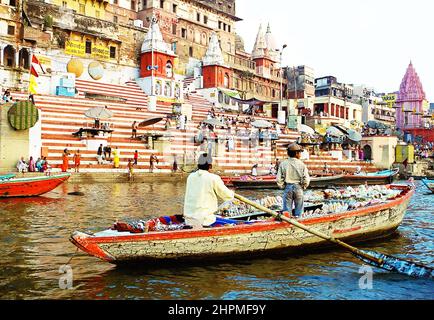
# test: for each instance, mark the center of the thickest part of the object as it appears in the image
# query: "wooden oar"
(374, 258)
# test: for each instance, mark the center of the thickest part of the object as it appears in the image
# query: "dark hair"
(205, 162)
(292, 154)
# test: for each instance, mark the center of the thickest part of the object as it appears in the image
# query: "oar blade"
(395, 264)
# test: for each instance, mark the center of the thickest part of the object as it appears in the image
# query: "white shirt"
(201, 198)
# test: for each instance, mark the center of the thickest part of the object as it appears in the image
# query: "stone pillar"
(2, 47)
(17, 58)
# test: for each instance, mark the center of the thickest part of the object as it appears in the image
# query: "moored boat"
(269, 182)
(31, 186)
(7, 176)
(257, 237)
(372, 178)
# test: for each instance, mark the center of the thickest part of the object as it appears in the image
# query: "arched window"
(227, 99)
(168, 89)
(24, 58)
(226, 80)
(220, 97)
(9, 56)
(169, 69)
(158, 88)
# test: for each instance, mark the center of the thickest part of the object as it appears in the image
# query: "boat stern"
(89, 244)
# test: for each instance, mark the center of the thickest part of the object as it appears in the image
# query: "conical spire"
(214, 55)
(154, 39)
(271, 44)
(260, 44)
(411, 88)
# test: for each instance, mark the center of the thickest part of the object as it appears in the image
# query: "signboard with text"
(75, 48)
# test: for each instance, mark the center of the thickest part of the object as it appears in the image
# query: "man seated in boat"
(293, 177)
(202, 193)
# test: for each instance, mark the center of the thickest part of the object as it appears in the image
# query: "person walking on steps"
(293, 177)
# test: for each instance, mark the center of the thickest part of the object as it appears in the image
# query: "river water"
(34, 246)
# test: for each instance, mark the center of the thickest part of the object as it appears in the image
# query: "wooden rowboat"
(31, 186)
(263, 237)
(268, 183)
(375, 178)
(7, 176)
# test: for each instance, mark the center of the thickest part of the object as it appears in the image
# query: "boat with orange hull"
(246, 239)
(269, 182)
(375, 178)
(31, 186)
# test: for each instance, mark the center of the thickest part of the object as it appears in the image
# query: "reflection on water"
(34, 242)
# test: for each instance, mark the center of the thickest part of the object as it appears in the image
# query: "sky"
(367, 42)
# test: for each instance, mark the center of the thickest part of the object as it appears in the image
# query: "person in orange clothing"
(77, 161)
(65, 165)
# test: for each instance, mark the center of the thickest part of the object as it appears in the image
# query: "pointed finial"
(268, 28)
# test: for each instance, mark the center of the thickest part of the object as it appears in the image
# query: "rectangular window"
(205, 19)
(12, 3)
(115, 19)
(11, 30)
(162, 4)
(198, 17)
(229, 28)
(133, 5)
(88, 46)
(112, 52)
(174, 47)
(64, 4)
(82, 9)
(220, 25)
(174, 8)
(184, 33)
(190, 51)
(145, 4)
(174, 29)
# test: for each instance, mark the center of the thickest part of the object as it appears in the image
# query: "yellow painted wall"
(91, 8)
(96, 43)
(14, 144)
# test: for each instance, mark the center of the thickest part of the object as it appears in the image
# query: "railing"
(240, 63)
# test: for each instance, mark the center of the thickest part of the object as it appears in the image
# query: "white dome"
(154, 39)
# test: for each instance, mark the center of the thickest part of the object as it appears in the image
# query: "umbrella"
(262, 124)
(99, 113)
(354, 136)
(306, 129)
(333, 131)
(215, 123)
(341, 128)
(376, 125)
(150, 122)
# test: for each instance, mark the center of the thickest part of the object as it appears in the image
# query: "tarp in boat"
(99, 113)
(23, 115)
(250, 102)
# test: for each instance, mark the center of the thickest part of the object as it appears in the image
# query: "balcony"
(240, 63)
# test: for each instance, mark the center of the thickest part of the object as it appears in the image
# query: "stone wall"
(14, 144)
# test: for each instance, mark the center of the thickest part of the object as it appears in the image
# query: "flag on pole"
(35, 60)
(33, 85)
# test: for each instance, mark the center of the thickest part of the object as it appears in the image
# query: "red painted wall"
(427, 134)
(214, 76)
(160, 59)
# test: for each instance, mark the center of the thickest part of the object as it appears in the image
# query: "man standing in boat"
(293, 177)
(202, 193)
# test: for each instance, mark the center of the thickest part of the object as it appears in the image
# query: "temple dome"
(154, 39)
(214, 55)
(411, 87)
(260, 44)
(239, 43)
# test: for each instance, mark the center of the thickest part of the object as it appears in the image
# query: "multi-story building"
(14, 50)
